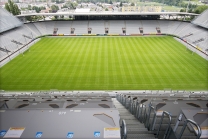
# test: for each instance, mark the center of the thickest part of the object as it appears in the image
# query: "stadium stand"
(49, 26)
(21, 34)
(80, 27)
(33, 29)
(15, 35)
(116, 114)
(115, 27)
(148, 26)
(7, 21)
(202, 20)
(42, 28)
(177, 28)
(166, 115)
(97, 27)
(82, 108)
(27, 32)
(132, 27)
(2, 53)
(62, 27)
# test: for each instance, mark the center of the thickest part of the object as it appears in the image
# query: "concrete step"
(140, 136)
(139, 131)
(186, 132)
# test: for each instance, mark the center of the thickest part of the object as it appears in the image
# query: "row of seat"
(80, 115)
(167, 115)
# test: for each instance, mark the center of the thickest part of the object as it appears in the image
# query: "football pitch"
(106, 63)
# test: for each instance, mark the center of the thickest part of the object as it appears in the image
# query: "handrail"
(170, 119)
(194, 123)
(125, 102)
(153, 120)
(136, 109)
(129, 105)
(142, 112)
(123, 130)
(133, 107)
(148, 118)
(122, 99)
(144, 117)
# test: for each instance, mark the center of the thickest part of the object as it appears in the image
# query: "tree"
(56, 17)
(132, 4)
(59, 1)
(200, 9)
(12, 8)
(54, 8)
(37, 9)
(42, 8)
(33, 18)
(190, 10)
(183, 10)
(71, 5)
(121, 4)
(29, 18)
(29, 7)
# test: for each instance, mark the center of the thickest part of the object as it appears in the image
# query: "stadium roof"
(202, 20)
(107, 13)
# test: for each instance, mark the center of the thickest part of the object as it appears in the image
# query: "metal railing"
(165, 113)
(152, 125)
(139, 112)
(123, 130)
(144, 117)
(136, 109)
(147, 125)
(195, 124)
(147, 116)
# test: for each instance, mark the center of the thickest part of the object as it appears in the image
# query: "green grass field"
(106, 63)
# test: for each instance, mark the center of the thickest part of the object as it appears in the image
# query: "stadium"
(104, 75)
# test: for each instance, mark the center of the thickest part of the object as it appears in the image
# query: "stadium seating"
(84, 115)
(148, 26)
(97, 27)
(41, 27)
(63, 28)
(142, 114)
(178, 28)
(115, 27)
(160, 113)
(33, 29)
(17, 34)
(80, 27)
(202, 20)
(7, 21)
(132, 27)
(185, 30)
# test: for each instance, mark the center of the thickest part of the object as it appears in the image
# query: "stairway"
(135, 129)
